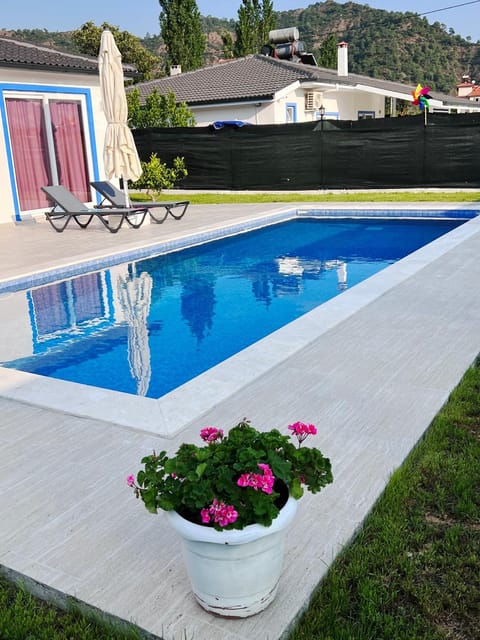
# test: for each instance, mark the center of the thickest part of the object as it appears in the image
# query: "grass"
(23, 617)
(348, 196)
(412, 573)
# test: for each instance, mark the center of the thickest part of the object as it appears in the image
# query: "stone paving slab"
(372, 383)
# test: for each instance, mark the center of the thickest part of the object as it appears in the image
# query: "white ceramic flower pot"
(234, 573)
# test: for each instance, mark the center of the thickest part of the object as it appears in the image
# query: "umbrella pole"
(125, 191)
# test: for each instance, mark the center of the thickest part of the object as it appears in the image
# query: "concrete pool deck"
(379, 362)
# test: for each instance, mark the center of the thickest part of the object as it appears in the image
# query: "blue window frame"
(366, 115)
(328, 115)
(33, 89)
(291, 112)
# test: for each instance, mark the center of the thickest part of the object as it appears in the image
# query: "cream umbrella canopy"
(120, 155)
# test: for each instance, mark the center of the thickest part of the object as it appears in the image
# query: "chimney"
(175, 69)
(342, 59)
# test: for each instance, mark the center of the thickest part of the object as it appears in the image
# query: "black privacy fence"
(381, 153)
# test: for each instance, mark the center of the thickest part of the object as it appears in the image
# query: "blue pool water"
(147, 327)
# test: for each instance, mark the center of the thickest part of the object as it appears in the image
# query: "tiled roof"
(25, 55)
(241, 79)
(260, 77)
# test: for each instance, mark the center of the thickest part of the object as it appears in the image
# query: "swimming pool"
(158, 323)
(219, 380)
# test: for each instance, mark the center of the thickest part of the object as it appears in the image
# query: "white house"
(261, 89)
(52, 126)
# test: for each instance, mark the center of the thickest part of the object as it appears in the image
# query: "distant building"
(468, 89)
(273, 89)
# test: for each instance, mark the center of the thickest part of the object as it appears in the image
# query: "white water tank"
(279, 36)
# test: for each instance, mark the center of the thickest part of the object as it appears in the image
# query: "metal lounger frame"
(116, 198)
(67, 207)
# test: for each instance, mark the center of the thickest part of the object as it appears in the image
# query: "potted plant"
(231, 499)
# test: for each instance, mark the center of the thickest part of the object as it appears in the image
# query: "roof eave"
(231, 101)
(400, 95)
(46, 67)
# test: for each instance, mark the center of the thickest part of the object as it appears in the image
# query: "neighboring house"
(53, 126)
(474, 95)
(260, 89)
(468, 89)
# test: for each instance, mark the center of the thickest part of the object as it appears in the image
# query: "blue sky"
(141, 16)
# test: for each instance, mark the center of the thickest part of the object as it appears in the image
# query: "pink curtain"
(70, 148)
(87, 292)
(51, 309)
(61, 306)
(29, 149)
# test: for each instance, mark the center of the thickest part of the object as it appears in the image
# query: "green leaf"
(296, 489)
(200, 469)
(151, 508)
(165, 504)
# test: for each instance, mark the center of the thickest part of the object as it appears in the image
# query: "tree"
(157, 175)
(266, 22)
(159, 110)
(181, 31)
(244, 30)
(227, 41)
(255, 20)
(87, 40)
(328, 52)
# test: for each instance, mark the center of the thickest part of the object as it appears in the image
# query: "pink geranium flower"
(210, 434)
(302, 430)
(265, 468)
(257, 481)
(131, 481)
(220, 512)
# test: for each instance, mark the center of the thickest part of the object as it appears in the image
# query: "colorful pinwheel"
(421, 97)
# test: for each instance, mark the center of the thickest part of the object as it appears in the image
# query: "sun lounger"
(67, 206)
(116, 198)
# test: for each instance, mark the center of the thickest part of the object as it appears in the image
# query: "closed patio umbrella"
(120, 155)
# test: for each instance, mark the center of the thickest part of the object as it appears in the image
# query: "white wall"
(252, 112)
(19, 82)
(342, 105)
(350, 103)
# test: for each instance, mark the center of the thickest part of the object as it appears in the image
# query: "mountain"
(391, 45)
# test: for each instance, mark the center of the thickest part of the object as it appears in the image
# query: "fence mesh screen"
(380, 153)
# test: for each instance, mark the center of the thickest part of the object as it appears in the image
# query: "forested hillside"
(390, 45)
(383, 44)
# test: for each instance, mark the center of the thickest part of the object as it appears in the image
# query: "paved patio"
(370, 368)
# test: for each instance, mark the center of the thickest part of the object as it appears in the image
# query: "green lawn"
(23, 617)
(363, 196)
(413, 573)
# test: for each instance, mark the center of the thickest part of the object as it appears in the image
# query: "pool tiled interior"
(370, 369)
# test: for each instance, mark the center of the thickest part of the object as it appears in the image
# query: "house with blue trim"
(52, 126)
(265, 89)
